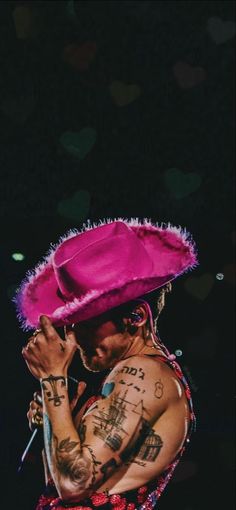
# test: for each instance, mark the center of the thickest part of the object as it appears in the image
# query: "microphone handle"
(27, 449)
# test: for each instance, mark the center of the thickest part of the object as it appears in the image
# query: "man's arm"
(81, 461)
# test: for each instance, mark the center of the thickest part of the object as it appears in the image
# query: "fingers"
(35, 415)
(70, 344)
(71, 339)
(47, 351)
(29, 354)
(29, 350)
(47, 328)
(31, 344)
(37, 419)
(37, 397)
(80, 390)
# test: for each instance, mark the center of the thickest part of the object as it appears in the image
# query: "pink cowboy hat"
(102, 267)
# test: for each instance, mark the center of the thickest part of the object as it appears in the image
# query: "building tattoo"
(150, 448)
(109, 423)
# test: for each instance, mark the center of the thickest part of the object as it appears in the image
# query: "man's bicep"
(134, 396)
(111, 429)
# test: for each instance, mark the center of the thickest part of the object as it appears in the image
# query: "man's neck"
(139, 347)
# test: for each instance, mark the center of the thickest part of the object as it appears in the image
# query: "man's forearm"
(47, 474)
(71, 469)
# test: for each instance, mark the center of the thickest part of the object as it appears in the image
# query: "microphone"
(34, 434)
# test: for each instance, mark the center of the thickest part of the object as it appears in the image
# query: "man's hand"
(47, 353)
(35, 412)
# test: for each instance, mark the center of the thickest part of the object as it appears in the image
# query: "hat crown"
(70, 247)
(98, 257)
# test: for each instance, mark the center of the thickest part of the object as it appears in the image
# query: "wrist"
(54, 388)
(53, 376)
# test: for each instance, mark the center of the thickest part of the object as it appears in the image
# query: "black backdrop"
(123, 109)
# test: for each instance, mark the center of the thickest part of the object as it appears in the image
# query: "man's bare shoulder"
(141, 360)
(143, 367)
(146, 379)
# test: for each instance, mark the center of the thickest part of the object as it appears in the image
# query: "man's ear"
(138, 317)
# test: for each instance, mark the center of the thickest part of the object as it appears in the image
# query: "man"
(120, 450)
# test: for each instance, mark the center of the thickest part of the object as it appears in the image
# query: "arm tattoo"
(82, 431)
(108, 469)
(148, 445)
(159, 388)
(133, 371)
(151, 447)
(108, 389)
(50, 387)
(137, 388)
(71, 463)
(109, 424)
(94, 464)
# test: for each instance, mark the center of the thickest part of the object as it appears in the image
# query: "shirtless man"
(122, 448)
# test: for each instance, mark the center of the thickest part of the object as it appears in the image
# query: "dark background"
(123, 109)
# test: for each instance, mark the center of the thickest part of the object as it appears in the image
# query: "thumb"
(80, 390)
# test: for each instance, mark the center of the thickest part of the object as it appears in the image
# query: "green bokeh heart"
(76, 207)
(181, 184)
(200, 287)
(124, 94)
(79, 144)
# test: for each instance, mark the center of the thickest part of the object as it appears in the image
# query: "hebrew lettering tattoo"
(159, 389)
(51, 385)
(133, 371)
(131, 384)
(129, 370)
(142, 373)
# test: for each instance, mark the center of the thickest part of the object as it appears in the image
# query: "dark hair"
(155, 299)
